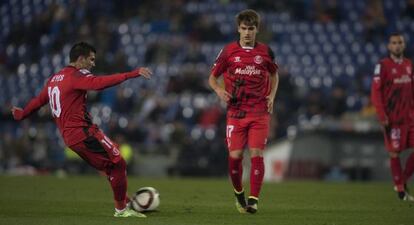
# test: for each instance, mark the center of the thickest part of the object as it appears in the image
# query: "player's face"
(88, 62)
(396, 45)
(247, 34)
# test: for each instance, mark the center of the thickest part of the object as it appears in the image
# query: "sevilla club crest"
(258, 59)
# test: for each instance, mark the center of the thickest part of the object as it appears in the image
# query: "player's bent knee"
(122, 164)
(236, 154)
(255, 152)
(118, 166)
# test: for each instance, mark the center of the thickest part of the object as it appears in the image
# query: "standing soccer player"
(250, 85)
(392, 94)
(66, 93)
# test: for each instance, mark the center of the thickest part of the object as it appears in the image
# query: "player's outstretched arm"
(274, 84)
(221, 92)
(33, 105)
(91, 82)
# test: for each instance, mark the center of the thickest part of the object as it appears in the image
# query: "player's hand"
(270, 101)
(145, 72)
(223, 94)
(17, 113)
(385, 122)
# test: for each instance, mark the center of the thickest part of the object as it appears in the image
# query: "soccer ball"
(145, 199)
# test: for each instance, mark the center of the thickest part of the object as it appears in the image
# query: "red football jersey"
(66, 93)
(392, 90)
(246, 73)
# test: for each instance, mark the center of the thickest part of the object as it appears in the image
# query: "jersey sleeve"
(272, 67)
(376, 91)
(220, 65)
(87, 81)
(36, 102)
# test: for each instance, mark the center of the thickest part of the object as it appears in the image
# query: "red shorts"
(98, 151)
(252, 130)
(399, 137)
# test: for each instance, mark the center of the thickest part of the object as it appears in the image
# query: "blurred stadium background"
(173, 125)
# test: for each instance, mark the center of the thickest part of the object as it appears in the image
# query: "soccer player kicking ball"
(66, 93)
(392, 93)
(250, 85)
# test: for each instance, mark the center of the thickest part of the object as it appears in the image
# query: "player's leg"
(256, 178)
(114, 166)
(118, 180)
(396, 172)
(409, 164)
(395, 140)
(236, 174)
(398, 177)
(257, 138)
(409, 167)
(94, 153)
(236, 169)
(236, 140)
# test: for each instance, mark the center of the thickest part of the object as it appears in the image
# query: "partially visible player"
(392, 94)
(250, 85)
(66, 93)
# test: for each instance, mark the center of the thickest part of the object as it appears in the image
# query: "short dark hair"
(249, 17)
(393, 34)
(80, 49)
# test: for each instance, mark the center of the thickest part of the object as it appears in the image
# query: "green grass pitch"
(88, 200)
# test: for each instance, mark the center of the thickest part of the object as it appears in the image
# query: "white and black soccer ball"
(146, 199)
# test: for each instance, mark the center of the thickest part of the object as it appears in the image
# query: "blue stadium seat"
(300, 81)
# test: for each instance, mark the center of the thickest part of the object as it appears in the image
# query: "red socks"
(396, 172)
(409, 167)
(118, 180)
(256, 175)
(236, 173)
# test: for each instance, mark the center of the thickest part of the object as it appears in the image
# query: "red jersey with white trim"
(66, 93)
(246, 73)
(392, 91)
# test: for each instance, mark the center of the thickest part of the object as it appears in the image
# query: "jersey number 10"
(54, 101)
